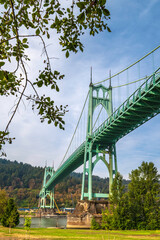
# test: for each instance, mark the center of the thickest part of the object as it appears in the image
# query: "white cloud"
(148, 8)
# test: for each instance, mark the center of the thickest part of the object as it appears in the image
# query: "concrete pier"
(45, 212)
(84, 211)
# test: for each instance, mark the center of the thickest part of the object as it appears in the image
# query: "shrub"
(94, 224)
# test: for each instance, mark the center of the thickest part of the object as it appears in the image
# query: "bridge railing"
(125, 82)
(132, 98)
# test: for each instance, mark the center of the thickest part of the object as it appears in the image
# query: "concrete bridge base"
(84, 211)
(45, 212)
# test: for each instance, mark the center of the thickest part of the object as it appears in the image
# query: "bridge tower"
(47, 194)
(99, 149)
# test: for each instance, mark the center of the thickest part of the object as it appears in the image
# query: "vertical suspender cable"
(153, 62)
(74, 130)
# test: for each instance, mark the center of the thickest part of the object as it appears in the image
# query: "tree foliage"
(139, 208)
(3, 202)
(27, 223)
(23, 20)
(110, 218)
(10, 216)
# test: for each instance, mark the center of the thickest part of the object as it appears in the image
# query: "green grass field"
(43, 233)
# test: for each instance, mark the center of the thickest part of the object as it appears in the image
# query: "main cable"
(129, 66)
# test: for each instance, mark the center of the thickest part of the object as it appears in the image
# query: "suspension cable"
(74, 130)
(129, 66)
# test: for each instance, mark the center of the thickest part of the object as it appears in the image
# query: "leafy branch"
(37, 18)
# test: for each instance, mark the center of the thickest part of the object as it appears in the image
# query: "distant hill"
(23, 182)
(20, 175)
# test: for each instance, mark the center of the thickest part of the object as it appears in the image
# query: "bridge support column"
(112, 170)
(99, 147)
(90, 176)
(46, 194)
(88, 157)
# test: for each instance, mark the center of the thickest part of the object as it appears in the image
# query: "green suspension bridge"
(113, 108)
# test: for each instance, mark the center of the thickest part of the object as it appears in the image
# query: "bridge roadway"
(140, 107)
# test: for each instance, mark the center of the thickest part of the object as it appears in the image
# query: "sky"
(135, 32)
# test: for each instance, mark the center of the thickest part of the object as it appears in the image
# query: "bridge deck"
(141, 106)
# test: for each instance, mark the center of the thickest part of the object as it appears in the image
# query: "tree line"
(23, 183)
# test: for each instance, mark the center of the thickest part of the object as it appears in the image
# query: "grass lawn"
(50, 233)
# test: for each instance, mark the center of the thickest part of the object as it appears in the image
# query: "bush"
(95, 225)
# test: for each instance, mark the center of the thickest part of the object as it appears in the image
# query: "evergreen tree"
(10, 216)
(117, 189)
(143, 192)
(110, 217)
(139, 208)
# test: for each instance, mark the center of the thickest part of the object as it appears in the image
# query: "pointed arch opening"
(100, 93)
(100, 178)
(94, 93)
(48, 200)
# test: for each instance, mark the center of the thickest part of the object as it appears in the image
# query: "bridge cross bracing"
(120, 112)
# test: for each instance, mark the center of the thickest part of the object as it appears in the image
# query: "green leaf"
(103, 2)
(81, 48)
(81, 5)
(48, 35)
(25, 46)
(81, 17)
(57, 88)
(2, 64)
(60, 12)
(24, 40)
(106, 12)
(45, 21)
(109, 30)
(67, 54)
(37, 31)
(39, 83)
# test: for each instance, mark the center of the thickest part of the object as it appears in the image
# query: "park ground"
(51, 233)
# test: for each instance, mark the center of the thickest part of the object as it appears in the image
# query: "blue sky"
(135, 32)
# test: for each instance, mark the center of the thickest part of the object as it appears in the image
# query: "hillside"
(23, 183)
